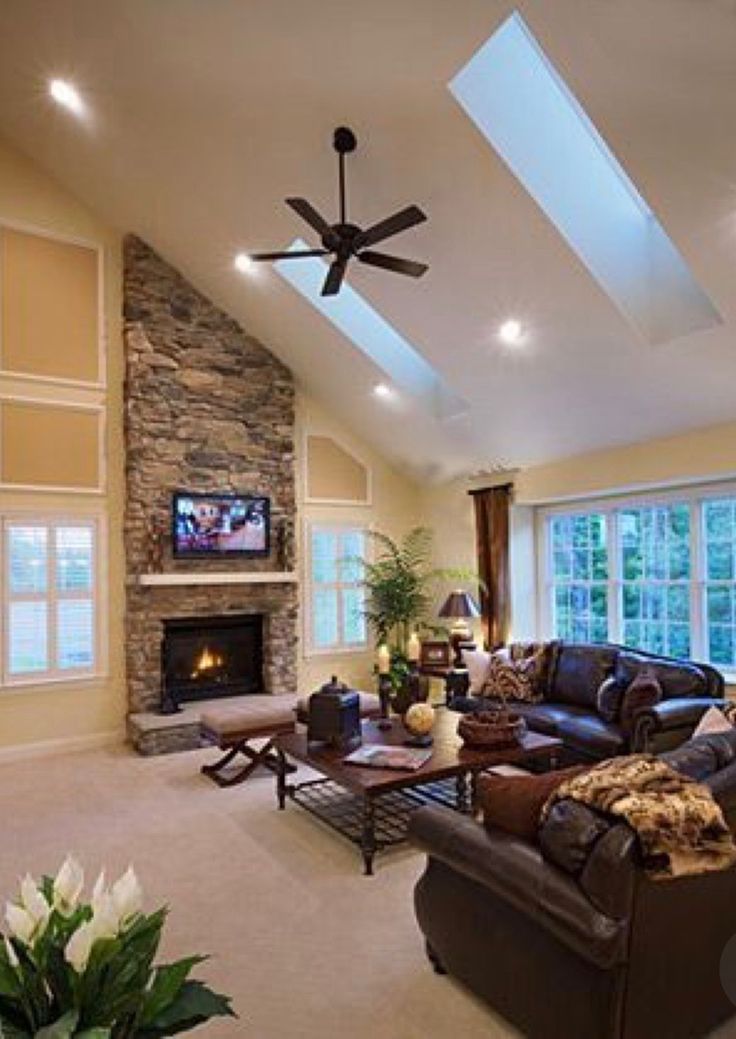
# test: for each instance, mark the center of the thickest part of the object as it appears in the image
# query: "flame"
(207, 661)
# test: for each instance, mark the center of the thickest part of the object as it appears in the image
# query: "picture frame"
(435, 653)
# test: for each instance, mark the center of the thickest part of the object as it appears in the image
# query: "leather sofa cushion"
(593, 736)
(569, 833)
(580, 671)
(514, 803)
(677, 678)
(609, 874)
(696, 759)
(546, 717)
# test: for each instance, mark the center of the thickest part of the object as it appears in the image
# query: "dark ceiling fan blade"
(296, 255)
(393, 263)
(333, 281)
(307, 212)
(392, 225)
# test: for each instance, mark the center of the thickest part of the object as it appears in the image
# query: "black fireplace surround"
(207, 657)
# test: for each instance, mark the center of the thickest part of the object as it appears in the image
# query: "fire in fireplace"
(207, 657)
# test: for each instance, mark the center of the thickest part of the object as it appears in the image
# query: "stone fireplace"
(207, 408)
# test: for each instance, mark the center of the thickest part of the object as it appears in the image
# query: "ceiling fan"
(344, 240)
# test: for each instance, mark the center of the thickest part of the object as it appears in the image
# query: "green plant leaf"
(167, 983)
(61, 1029)
(9, 1030)
(94, 1033)
(194, 1004)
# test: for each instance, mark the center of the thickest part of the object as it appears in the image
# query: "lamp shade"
(459, 604)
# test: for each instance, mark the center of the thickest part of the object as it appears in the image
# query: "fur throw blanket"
(679, 824)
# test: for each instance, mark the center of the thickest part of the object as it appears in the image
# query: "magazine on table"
(377, 755)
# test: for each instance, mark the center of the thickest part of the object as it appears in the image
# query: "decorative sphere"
(419, 719)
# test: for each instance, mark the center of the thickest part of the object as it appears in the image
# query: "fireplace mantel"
(216, 577)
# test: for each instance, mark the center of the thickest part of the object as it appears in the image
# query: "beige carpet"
(307, 946)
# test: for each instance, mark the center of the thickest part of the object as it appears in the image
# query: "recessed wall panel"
(49, 307)
(49, 446)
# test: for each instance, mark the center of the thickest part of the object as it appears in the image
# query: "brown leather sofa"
(595, 949)
(569, 707)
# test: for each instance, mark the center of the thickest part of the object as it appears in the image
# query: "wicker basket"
(491, 729)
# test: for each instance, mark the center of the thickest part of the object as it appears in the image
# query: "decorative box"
(334, 716)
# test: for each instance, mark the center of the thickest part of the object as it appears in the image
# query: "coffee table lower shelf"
(372, 823)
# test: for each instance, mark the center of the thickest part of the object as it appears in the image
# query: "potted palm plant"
(400, 584)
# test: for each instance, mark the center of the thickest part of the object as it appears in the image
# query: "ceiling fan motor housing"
(344, 140)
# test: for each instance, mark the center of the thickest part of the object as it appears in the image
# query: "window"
(658, 576)
(335, 618)
(719, 537)
(50, 599)
(580, 575)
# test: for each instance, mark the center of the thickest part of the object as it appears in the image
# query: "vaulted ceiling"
(206, 114)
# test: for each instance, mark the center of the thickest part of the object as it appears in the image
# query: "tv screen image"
(220, 524)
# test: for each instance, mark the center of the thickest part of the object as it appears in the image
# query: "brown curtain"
(492, 540)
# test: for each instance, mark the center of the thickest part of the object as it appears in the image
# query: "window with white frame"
(335, 620)
(657, 575)
(50, 595)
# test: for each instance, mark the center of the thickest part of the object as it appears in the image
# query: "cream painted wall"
(699, 456)
(395, 509)
(94, 708)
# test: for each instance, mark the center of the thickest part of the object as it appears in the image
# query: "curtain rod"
(493, 487)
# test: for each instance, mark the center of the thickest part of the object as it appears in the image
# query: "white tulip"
(79, 947)
(20, 923)
(34, 903)
(99, 891)
(127, 897)
(11, 954)
(105, 921)
(68, 886)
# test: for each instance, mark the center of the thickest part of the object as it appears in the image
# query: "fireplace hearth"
(207, 657)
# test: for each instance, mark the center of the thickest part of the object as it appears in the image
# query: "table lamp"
(459, 606)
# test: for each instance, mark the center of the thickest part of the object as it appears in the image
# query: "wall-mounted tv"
(207, 525)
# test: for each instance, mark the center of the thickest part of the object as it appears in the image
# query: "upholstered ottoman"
(232, 728)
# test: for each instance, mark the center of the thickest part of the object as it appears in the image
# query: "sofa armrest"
(667, 715)
(515, 871)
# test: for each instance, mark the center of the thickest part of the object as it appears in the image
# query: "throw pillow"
(514, 679)
(477, 661)
(514, 803)
(712, 721)
(610, 695)
(645, 691)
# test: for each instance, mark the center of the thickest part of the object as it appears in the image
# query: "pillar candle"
(383, 660)
(413, 647)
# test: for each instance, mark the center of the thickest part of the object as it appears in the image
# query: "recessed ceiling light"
(511, 332)
(244, 264)
(382, 390)
(65, 94)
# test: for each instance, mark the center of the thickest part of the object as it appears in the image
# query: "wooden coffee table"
(370, 806)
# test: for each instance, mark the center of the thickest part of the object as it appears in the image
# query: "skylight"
(527, 113)
(373, 335)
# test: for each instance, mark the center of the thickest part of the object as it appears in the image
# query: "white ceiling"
(206, 114)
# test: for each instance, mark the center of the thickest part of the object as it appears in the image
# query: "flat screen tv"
(211, 525)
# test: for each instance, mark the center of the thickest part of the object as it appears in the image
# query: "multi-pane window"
(580, 577)
(719, 550)
(49, 596)
(657, 576)
(335, 613)
(654, 544)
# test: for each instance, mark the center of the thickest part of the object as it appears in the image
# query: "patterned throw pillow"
(514, 674)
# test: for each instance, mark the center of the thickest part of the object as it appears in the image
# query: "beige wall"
(394, 508)
(71, 710)
(699, 456)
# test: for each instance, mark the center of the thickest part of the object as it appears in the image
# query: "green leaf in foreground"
(194, 1005)
(61, 1029)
